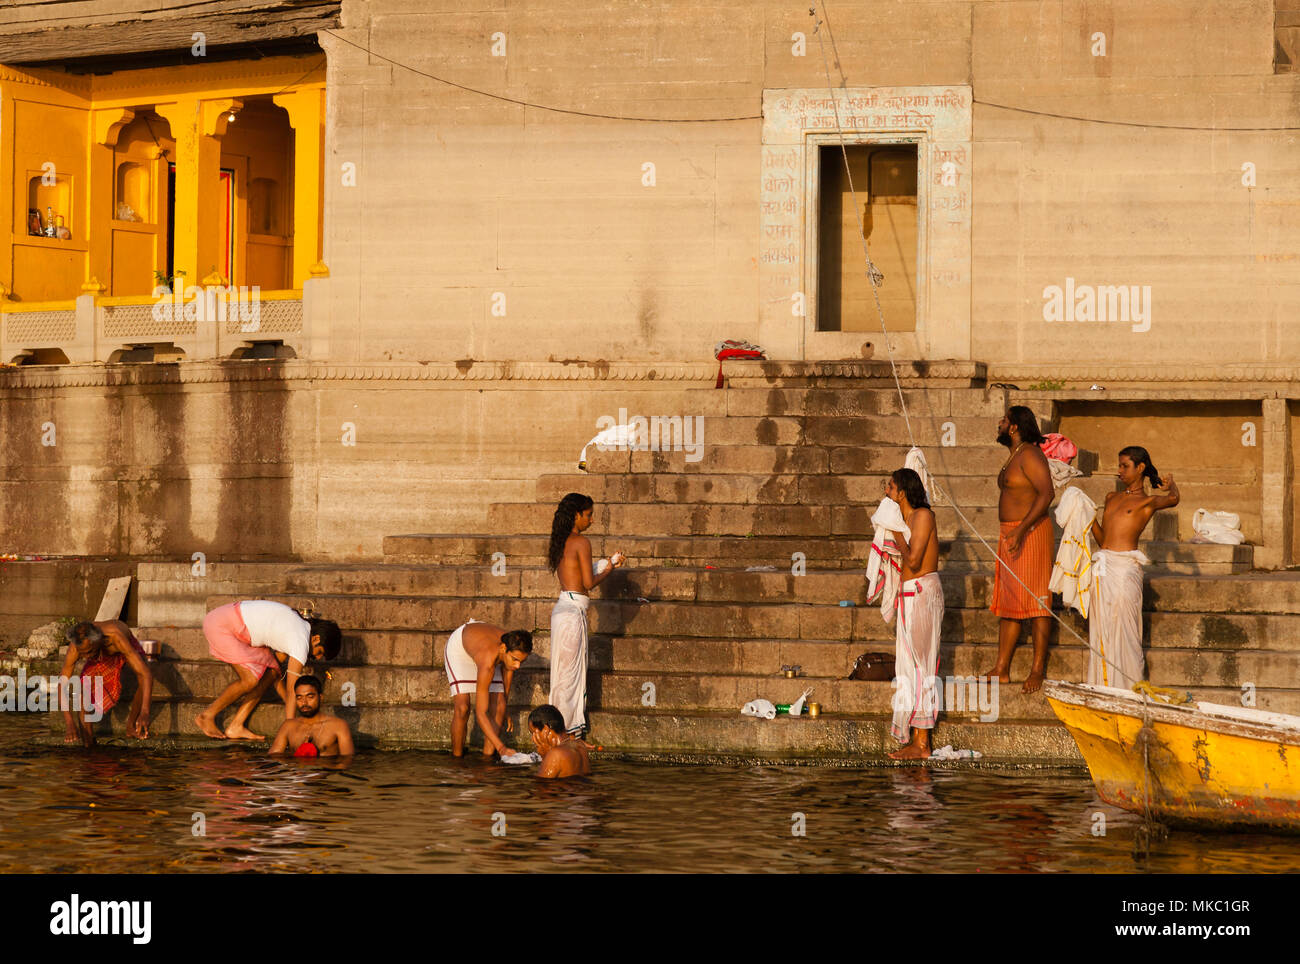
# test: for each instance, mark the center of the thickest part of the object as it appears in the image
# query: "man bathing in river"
(251, 635)
(106, 647)
(1115, 619)
(481, 660)
(918, 620)
(311, 732)
(563, 755)
(1024, 546)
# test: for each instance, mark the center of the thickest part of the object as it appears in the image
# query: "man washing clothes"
(1025, 556)
(481, 660)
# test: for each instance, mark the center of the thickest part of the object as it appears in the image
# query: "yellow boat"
(1200, 765)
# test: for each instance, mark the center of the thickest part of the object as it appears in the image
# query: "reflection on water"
(127, 810)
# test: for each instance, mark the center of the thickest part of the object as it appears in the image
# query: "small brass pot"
(814, 710)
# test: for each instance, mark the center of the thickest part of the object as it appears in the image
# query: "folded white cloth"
(1220, 527)
(916, 462)
(1072, 571)
(885, 567)
(520, 758)
(763, 709)
(1062, 472)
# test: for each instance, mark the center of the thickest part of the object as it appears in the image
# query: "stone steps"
(789, 489)
(685, 687)
(835, 457)
(667, 734)
(835, 552)
(833, 430)
(1278, 594)
(791, 521)
(671, 618)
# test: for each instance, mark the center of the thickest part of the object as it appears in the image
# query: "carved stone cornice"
(1153, 373)
(302, 372)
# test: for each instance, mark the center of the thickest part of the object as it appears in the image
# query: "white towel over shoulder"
(885, 567)
(1072, 572)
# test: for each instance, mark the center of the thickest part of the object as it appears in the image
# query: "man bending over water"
(311, 732)
(106, 647)
(248, 635)
(563, 755)
(481, 660)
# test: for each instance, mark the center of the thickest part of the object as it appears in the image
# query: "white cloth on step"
(1072, 571)
(569, 659)
(1220, 527)
(763, 709)
(1115, 622)
(885, 565)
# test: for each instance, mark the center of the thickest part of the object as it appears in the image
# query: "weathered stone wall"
(459, 195)
(248, 460)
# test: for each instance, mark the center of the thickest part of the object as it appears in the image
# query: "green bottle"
(782, 708)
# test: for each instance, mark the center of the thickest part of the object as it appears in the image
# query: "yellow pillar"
(106, 125)
(198, 126)
(306, 110)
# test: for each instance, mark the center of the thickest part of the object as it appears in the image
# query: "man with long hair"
(918, 620)
(569, 557)
(1024, 564)
(1115, 619)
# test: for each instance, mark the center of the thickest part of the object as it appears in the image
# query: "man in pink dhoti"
(569, 557)
(919, 620)
(1115, 619)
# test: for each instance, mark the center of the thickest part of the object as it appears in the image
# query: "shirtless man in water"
(918, 621)
(481, 660)
(563, 755)
(1115, 616)
(312, 733)
(1024, 546)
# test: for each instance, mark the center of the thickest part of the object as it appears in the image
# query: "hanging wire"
(876, 278)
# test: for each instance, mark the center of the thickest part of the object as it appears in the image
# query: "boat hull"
(1221, 769)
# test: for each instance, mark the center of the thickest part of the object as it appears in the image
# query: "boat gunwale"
(1187, 715)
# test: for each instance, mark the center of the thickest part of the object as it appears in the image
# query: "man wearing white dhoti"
(1115, 620)
(569, 557)
(1115, 617)
(920, 619)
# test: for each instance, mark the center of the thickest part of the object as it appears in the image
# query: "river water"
(132, 809)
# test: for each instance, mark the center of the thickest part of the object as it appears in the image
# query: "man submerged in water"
(312, 733)
(563, 755)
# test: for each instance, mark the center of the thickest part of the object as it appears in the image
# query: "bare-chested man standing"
(1115, 619)
(919, 620)
(1024, 545)
(569, 557)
